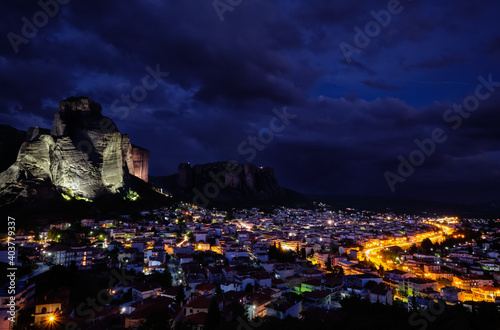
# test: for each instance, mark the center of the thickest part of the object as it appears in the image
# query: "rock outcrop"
(227, 184)
(245, 179)
(185, 176)
(83, 155)
(140, 160)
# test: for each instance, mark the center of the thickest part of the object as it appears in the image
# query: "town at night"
(250, 164)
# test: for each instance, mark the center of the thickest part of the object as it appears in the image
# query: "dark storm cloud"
(381, 85)
(357, 65)
(434, 63)
(494, 45)
(225, 79)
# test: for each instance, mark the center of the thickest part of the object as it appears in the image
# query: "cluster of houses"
(222, 258)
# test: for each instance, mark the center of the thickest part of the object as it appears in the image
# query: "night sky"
(231, 62)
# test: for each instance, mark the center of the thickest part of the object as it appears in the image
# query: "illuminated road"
(184, 241)
(245, 225)
(42, 268)
(371, 254)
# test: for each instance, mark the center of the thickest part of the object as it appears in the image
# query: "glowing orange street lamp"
(51, 321)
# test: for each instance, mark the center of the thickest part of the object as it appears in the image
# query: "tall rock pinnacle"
(83, 155)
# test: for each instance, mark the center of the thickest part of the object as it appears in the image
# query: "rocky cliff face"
(140, 160)
(83, 155)
(226, 182)
(247, 179)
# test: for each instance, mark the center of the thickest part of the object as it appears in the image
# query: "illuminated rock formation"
(140, 159)
(83, 155)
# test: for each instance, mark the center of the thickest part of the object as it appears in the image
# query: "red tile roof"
(199, 303)
(197, 318)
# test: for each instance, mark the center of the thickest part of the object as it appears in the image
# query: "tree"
(413, 249)
(218, 290)
(164, 279)
(338, 270)
(334, 248)
(113, 254)
(370, 284)
(191, 236)
(329, 264)
(236, 310)
(249, 288)
(381, 271)
(213, 316)
(181, 223)
(280, 254)
(303, 254)
(54, 234)
(412, 303)
(72, 267)
(211, 241)
(272, 251)
(180, 297)
(157, 320)
(426, 245)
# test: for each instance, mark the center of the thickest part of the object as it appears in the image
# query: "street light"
(51, 321)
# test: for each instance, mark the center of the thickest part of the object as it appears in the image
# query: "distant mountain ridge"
(401, 205)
